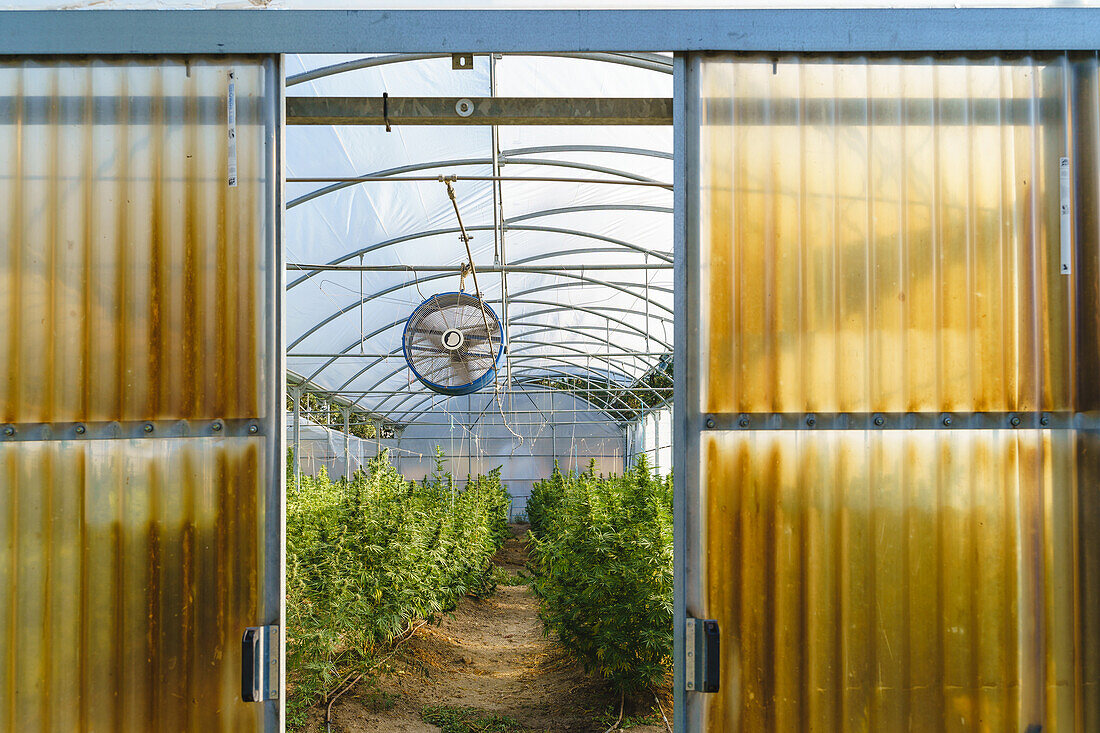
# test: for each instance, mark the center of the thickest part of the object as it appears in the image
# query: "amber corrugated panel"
(131, 572)
(131, 288)
(882, 235)
(131, 276)
(889, 581)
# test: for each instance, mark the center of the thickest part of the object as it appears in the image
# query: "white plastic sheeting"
(652, 435)
(341, 455)
(574, 322)
(554, 426)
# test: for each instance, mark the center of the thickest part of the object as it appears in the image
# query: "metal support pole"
(297, 392)
(656, 443)
(498, 231)
(626, 448)
(347, 443)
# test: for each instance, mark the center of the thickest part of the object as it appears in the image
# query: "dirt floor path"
(492, 658)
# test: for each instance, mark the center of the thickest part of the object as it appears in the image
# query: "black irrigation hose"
(328, 710)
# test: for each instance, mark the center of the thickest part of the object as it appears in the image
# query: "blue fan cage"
(463, 389)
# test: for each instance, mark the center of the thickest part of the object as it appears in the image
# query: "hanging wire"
(449, 182)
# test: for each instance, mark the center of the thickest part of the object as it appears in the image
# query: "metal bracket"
(462, 61)
(702, 655)
(260, 664)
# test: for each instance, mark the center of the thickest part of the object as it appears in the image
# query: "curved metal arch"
(523, 261)
(553, 308)
(583, 279)
(480, 228)
(608, 362)
(647, 61)
(648, 152)
(542, 374)
(590, 207)
(520, 322)
(390, 411)
(542, 327)
(594, 310)
(385, 173)
(564, 252)
(582, 375)
(643, 358)
(539, 327)
(412, 167)
(553, 286)
(428, 395)
(559, 372)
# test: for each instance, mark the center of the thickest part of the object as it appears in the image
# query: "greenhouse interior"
(484, 305)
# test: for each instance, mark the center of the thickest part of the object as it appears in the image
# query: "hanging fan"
(453, 342)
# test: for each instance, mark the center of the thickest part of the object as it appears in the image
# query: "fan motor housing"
(453, 342)
(452, 339)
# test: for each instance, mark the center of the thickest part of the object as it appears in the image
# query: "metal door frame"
(778, 30)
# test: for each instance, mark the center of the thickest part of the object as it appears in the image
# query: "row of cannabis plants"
(602, 554)
(369, 556)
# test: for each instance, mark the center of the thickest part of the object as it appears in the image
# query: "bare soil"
(491, 654)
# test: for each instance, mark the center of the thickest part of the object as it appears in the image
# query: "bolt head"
(80, 429)
(1015, 421)
(9, 430)
(880, 420)
(216, 427)
(148, 427)
(946, 420)
(1044, 421)
(253, 429)
(811, 420)
(743, 422)
(710, 422)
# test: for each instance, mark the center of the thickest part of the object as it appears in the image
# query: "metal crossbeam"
(385, 30)
(478, 111)
(400, 355)
(456, 269)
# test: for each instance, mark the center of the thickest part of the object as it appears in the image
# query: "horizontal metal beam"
(890, 30)
(132, 430)
(478, 111)
(457, 269)
(527, 179)
(400, 355)
(907, 421)
(517, 393)
(513, 423)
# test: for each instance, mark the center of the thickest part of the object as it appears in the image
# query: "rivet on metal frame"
(710, 423)
(1044, 420)
(148, 427)
(216, 427)
(744, 421)
(80, 429)
(253, 428)
(811, 421)
(9, 430)
(1015, 421)
(947, 421)
(879, 421)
